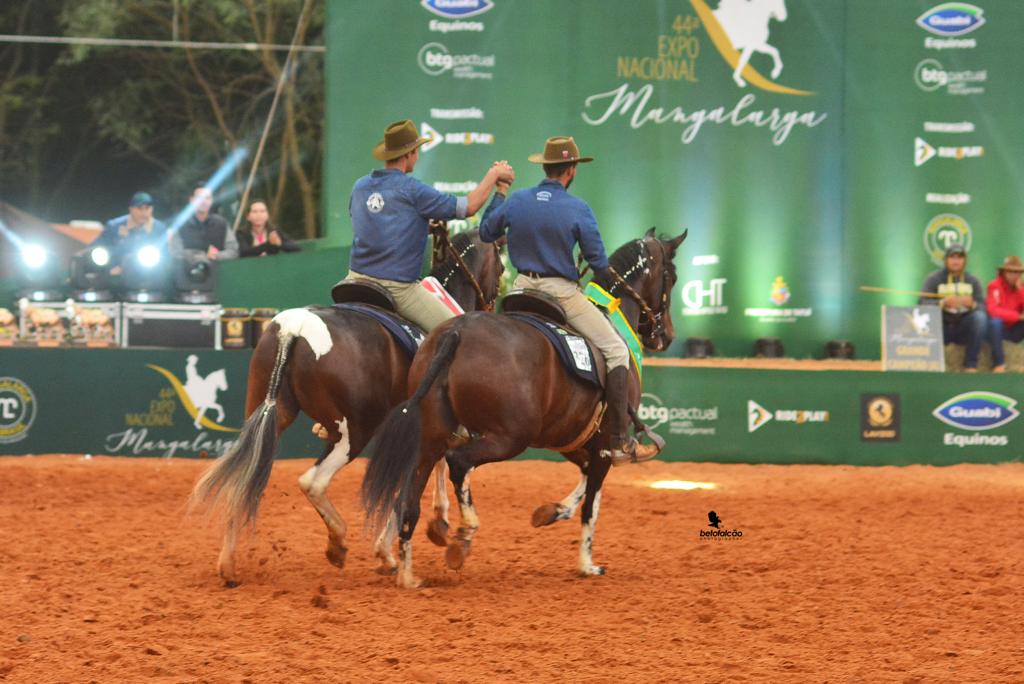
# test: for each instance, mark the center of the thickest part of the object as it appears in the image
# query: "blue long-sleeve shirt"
(389, 211)
(544, 224)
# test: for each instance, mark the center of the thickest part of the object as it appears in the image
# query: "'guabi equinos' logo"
(943, 231)
(457, 9)
(977, 411)
(17, 410)
(951, 19)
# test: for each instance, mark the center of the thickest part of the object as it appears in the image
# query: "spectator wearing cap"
(205, 236)
(963, 320)
(126, 234)
(1005, 303)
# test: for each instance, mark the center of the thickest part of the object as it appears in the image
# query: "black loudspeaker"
(699, 347)
(768, 348)
(839, 349)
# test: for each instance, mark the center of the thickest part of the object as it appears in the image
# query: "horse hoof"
(386, 570)
(231, 584)
(437, 532)
(336, 555)
(592, 571)
(544, 515)
(409, 583)
(455, 554)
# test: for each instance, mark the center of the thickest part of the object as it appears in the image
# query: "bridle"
(654, 321)
(442, 244)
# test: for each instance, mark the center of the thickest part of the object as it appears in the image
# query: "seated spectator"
(963, 321)
(259, 237)
(1005, 303)
(124, 235)
(204, 236)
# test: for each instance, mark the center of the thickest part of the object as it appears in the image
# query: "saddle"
(373, 301)
(363, 291)
(543, 312)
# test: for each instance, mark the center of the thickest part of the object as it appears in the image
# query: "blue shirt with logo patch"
(544, 224)
(389, 211)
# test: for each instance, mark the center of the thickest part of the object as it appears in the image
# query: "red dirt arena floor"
(843, 574)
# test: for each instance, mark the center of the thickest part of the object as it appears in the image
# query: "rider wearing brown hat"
(544, 225)
(390, 211)
(1005, 303)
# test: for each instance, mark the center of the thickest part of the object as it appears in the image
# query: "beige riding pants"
(412, 301)
(582, 315)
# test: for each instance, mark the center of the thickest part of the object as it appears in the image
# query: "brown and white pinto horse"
(501, 379)
(345, 371)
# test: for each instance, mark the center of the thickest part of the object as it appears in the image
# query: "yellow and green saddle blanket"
(610, 304)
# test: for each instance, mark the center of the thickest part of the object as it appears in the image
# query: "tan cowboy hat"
(1012, 263)
(559, 150)
(400, 138)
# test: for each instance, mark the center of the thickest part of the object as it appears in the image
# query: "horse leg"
(553, 512)
(744, 58)
(220, 411)
(595, 472)
(314, 484)
(486, 449)
(405, 578)
(226, 560)
(437, 530)
(382, 549)
(200, 410)
(767, 49)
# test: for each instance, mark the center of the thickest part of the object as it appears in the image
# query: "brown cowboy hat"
(400, 138)
(559, 150)
(1012, 263)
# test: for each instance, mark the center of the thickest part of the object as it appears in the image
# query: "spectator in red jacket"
(1005, 303)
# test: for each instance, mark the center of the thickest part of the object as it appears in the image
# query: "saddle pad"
(408, 335)
(573, 350)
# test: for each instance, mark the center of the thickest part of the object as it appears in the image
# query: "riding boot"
(624, 449)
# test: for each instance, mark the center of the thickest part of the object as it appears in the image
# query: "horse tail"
(395, 448)
(235, 482)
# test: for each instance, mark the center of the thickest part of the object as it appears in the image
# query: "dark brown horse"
(502, 380)
(345, 371)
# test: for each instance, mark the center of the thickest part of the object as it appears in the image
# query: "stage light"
(839, 349)
(100, 256)
(34, 256)
(768, 348)
(699, 347)
(149, 256)
(90, 275)
(39, 276)
(196, 282)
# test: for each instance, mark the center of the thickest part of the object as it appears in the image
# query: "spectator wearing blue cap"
(126, 234)
(964, 320)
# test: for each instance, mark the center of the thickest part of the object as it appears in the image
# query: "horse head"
(470, 270)
(643, 275)
(776, 9)
(217, 379)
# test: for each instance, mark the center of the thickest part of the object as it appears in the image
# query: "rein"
(442, 244)
(653, 319)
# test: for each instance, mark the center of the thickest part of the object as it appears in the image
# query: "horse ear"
(676, 241)
(650, 232)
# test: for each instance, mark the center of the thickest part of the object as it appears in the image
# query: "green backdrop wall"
(797, 186)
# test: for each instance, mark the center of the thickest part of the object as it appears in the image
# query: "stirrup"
(632, 452)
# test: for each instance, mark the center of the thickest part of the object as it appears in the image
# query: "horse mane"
(629, 261)
(462, 243)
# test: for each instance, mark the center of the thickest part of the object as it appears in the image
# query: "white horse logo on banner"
(746, 24)
(203, 391)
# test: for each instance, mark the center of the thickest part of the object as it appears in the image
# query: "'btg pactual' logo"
(17, 410)
(943, 231)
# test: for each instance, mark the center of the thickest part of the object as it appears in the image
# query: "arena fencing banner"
(810, 146)
(190, 404)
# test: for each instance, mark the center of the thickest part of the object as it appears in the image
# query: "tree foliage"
(181, 112)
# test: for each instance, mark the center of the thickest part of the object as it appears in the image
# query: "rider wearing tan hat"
(390, 210)
(1005, 303)
(544, 225)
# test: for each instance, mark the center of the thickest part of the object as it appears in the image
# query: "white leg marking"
(440, 504)
(406, 579)
(306, 324)
(587, 566)
(567, 507)
(467, 510)
(382, 549)
(314, 483)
